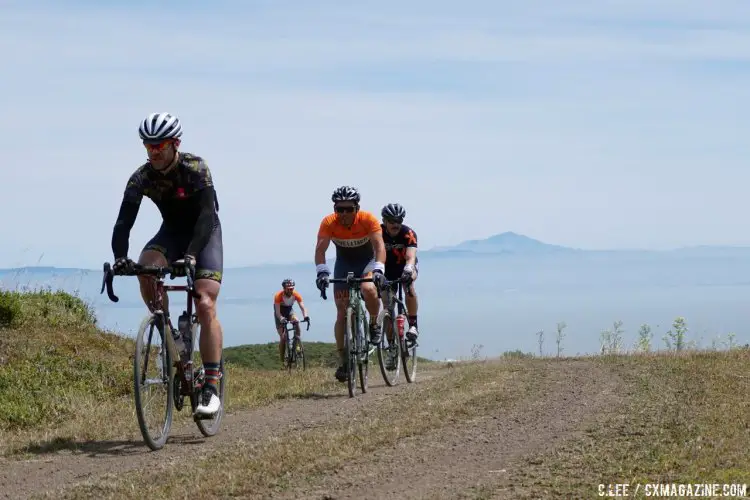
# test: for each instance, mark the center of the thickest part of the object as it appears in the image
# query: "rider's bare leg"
(212, 337)
(151, 258)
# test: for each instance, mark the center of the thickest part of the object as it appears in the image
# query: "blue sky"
(595, 124)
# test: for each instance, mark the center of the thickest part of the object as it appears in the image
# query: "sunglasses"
(157, 147)
(393, 221)
(344, 210)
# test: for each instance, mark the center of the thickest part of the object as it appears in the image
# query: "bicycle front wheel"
(290, 359)
(299, 350)
(152, 383)
(389, 351)
(363, 356)
(350, 348)
(409, 358)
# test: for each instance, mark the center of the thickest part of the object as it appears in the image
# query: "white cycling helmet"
(158, 127)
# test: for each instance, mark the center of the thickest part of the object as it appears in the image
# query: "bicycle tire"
(210, 426)
(149, 324)
(388, 320)
(409, 354)
(349, 348)
(290, 358)
(363, 357)
(301, 354)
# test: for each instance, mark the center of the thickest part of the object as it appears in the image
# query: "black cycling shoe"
(375, 333)
(341, 373)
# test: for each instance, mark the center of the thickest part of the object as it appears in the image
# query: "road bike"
(396, 347)
(295, 351)
(173, 370)
(356, 346)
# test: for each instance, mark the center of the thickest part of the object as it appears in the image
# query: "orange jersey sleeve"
(277, 297)
(371, 223)
(325, 226)
(297, 296)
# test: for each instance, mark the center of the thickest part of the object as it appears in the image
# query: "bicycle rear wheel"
(351, 351)
(409, 358)
(210, 426)
(389, 349)
(152, 369)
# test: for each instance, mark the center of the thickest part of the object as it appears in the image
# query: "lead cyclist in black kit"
(181, 187)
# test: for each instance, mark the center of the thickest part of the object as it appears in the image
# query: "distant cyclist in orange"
(358, 238)
(283, 303)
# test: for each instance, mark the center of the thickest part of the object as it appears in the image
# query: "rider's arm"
(206, 222)
(301, 304)
(411, 256)
(320, 249)
(324, 241)
(277, 310)
(131, 203)
(277, 304)
(411, 247)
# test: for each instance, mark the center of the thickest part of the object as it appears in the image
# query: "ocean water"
(496, 302)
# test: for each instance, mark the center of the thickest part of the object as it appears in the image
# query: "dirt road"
(472, 457)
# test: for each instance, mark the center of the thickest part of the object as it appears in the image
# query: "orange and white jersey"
(352, 243)
(287, 301)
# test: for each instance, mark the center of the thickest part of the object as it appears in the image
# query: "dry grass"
(684, 418)
(247, 471)
(65, 387)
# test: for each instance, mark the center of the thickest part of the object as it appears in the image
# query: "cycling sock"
(212, 375)
(413, 321)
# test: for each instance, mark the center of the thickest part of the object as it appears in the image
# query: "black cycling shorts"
(286, 313)
(361, 267)
(173, 244)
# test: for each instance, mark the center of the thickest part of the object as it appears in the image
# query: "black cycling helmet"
(393, 211)
(287, 282)
(345, 193)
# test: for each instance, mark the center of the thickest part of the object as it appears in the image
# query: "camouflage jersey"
(173, 193)
(185, 197)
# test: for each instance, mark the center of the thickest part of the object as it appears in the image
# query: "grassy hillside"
(679, 417)
(266, 356)
(64, 381)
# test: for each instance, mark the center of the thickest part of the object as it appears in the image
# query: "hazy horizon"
(437, 251)
(499, 302)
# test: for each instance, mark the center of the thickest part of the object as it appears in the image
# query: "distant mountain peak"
(508, 242)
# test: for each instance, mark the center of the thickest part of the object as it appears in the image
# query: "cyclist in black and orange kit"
(401, 258)
(181, 187)
(283, 302)
(358, 238)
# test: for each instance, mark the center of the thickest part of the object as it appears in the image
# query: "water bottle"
(183, 327)
(400, 320)
(179, 344)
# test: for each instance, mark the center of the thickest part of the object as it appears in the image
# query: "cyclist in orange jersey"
(358, 238)
(283, 303)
